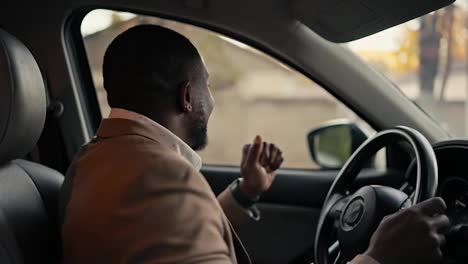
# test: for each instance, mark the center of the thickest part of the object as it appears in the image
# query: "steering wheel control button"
(353, 214)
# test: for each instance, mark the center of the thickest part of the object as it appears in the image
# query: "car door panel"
(290, 209)
(282, 234)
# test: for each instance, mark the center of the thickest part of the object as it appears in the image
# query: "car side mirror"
(331, 145)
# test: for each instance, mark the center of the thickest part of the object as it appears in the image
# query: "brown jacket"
(129, 197)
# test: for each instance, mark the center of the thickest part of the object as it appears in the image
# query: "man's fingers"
(255, 150)
(265, 155)
(440, 239)
(268, 155)
(276, 158)
(431, 206)
(245, 151)
(278, 161)
(441, 223)
(273, 153)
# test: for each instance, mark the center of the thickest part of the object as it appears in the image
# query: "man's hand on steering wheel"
(414, 235)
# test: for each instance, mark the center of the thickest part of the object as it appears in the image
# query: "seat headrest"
(22, 99)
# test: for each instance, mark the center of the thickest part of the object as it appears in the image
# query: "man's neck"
(172, 138)
(172, 124)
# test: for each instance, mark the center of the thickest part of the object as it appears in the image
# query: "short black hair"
(146, 60)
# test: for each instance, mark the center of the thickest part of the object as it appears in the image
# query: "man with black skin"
(135, 194)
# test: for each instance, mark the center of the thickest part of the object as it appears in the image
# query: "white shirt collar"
(178, 144)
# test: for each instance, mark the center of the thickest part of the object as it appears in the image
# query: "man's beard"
(199, 135)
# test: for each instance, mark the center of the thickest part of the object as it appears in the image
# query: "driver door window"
(254, 93)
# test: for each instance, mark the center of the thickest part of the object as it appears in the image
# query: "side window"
(254, 93)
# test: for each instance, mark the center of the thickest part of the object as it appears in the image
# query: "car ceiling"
(281, 28)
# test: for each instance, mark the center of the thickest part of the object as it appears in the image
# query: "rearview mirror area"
(331, 145)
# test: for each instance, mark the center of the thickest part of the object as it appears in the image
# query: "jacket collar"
(123, 122)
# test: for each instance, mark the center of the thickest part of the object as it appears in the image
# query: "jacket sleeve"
(174, 221)
(363, 259)
(236, 214)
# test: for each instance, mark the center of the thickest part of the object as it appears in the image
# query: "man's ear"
(185, 96)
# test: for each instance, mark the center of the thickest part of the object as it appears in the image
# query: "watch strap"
(244, 200)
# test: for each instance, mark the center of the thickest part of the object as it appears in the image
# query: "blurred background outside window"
(427, 60)
(255, 94)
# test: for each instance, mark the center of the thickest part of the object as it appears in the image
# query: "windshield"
(427, 59)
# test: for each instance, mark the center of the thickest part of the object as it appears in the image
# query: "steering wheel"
(348, 220)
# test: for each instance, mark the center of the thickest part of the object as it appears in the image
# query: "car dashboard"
(452, 160)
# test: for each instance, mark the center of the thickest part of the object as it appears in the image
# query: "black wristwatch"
(243, 199)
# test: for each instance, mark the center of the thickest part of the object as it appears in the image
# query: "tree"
(429, 45)
(447, 29)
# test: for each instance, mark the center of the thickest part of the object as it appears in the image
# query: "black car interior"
(29, 191)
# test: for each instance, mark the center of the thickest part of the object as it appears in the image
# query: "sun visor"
(347, 20)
